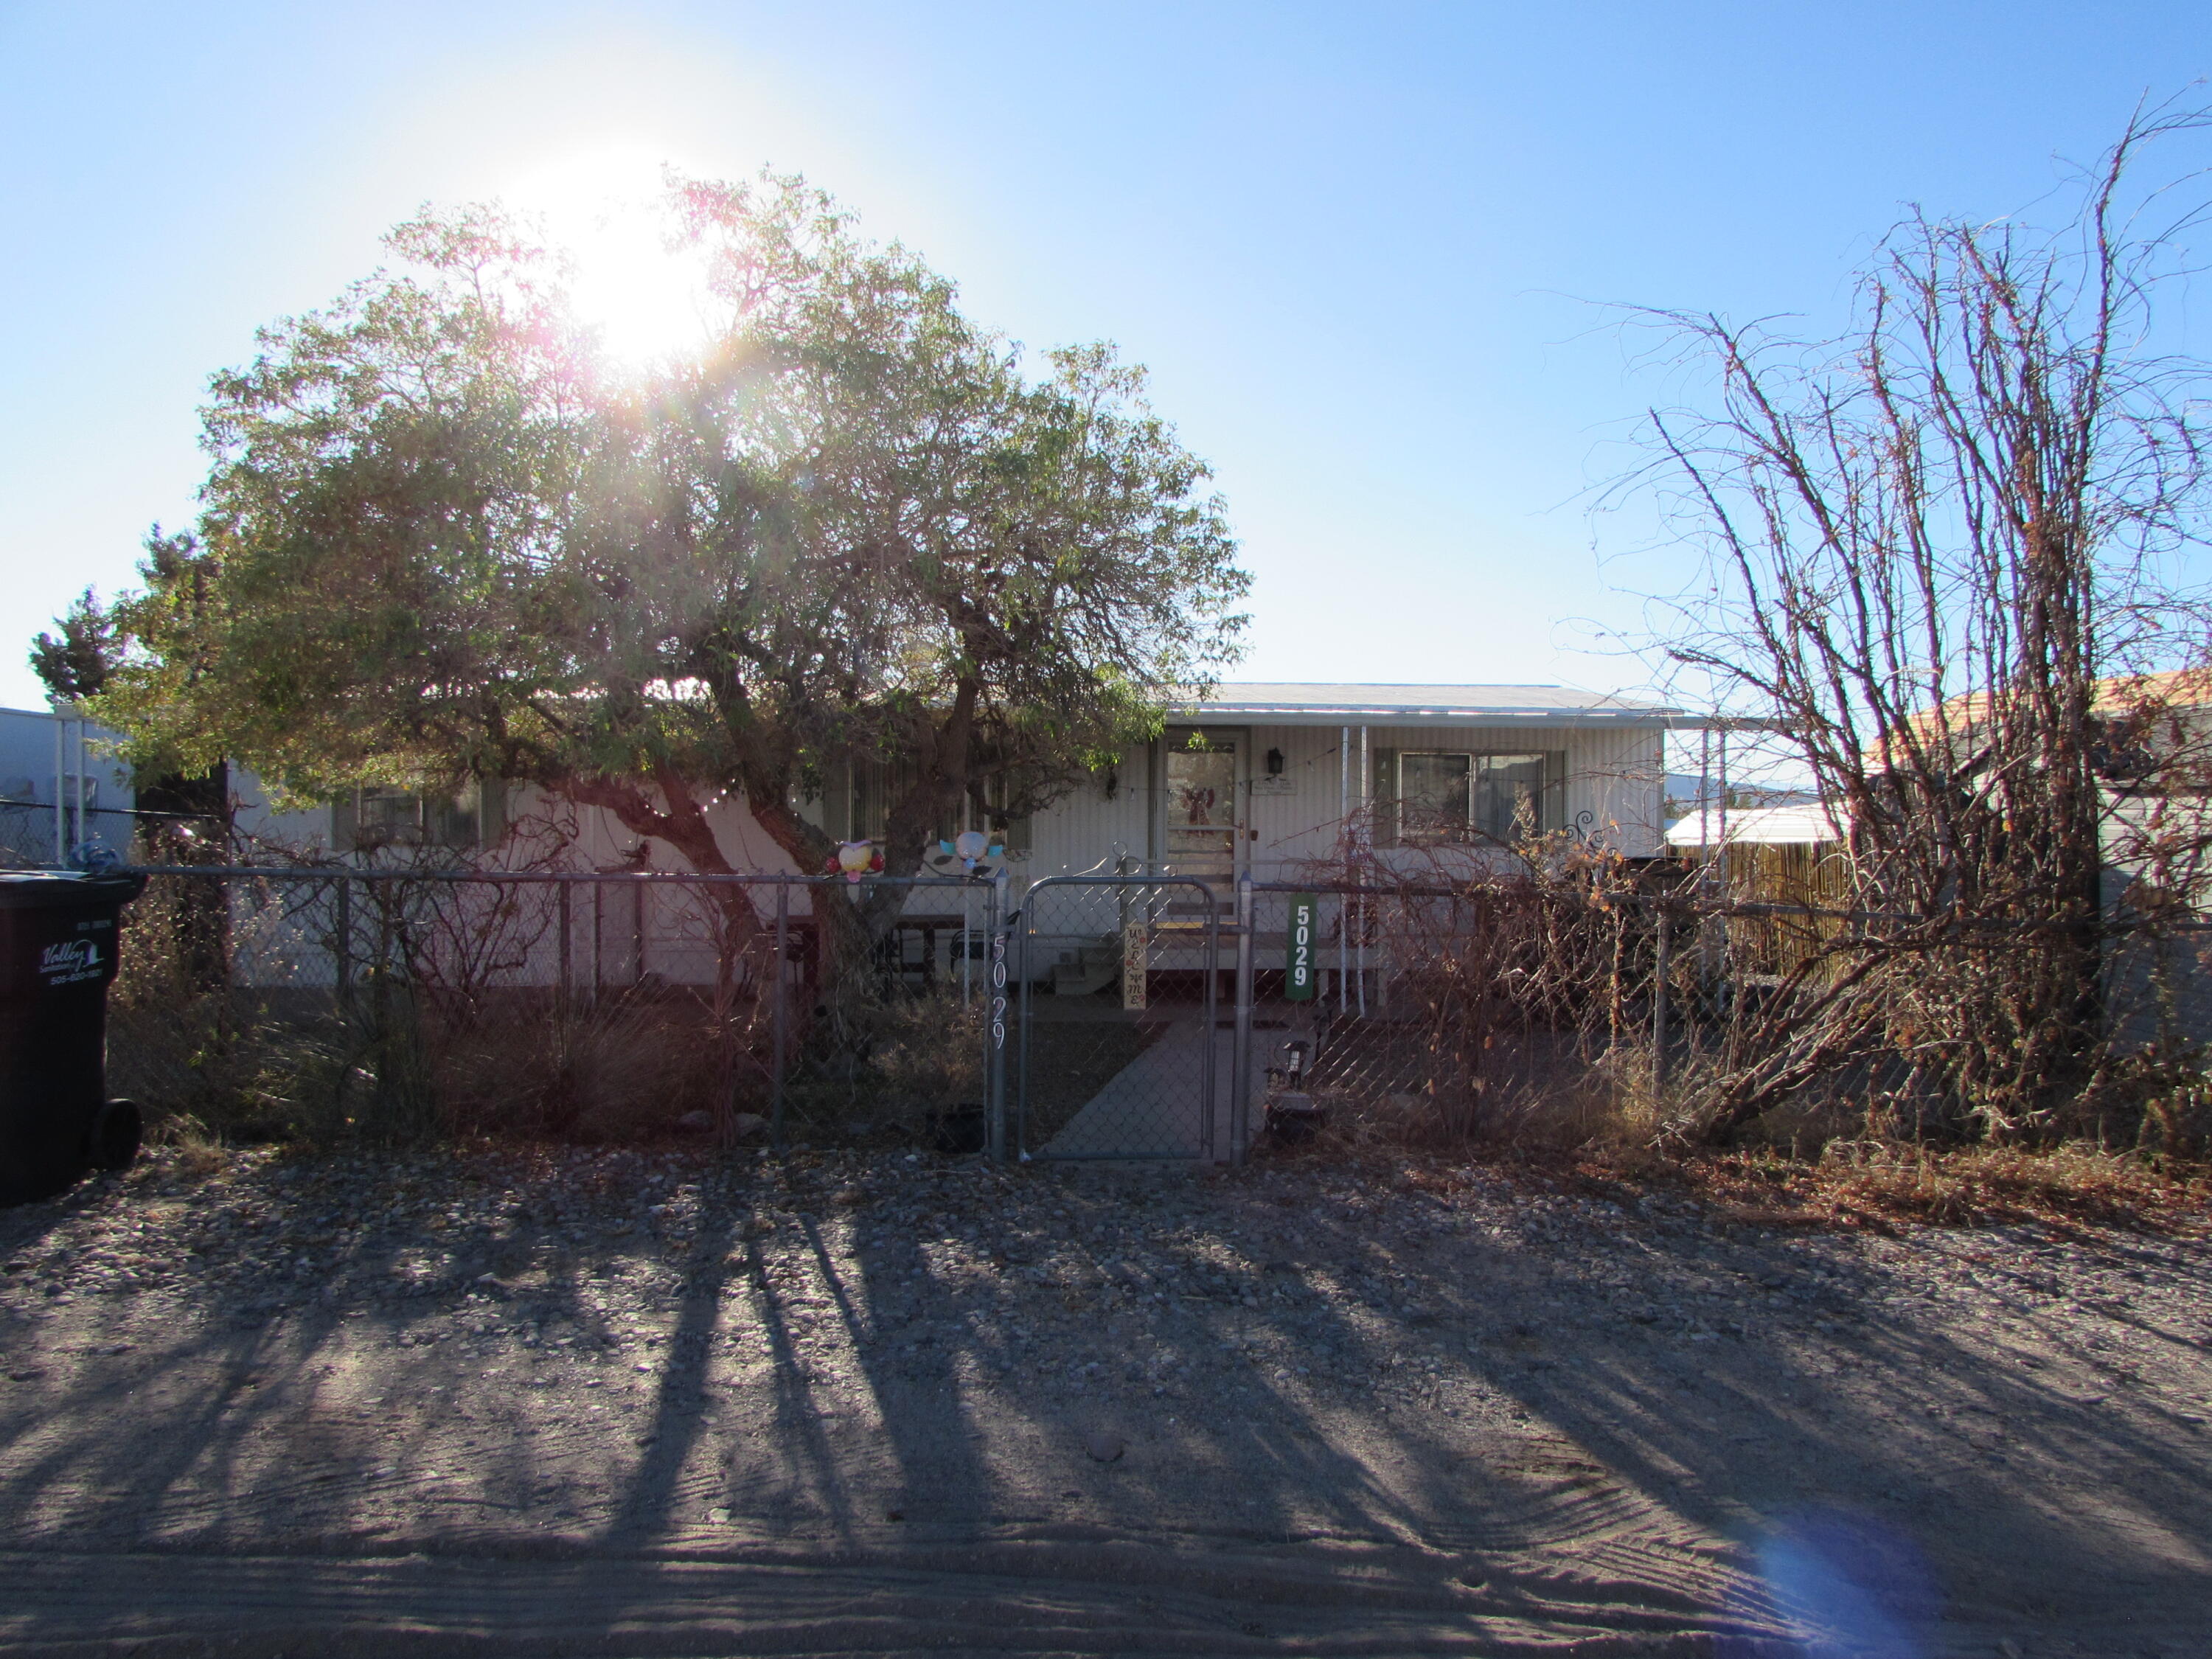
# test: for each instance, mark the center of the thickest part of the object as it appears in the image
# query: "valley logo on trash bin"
(72, 961)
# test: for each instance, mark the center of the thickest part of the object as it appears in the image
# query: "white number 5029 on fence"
(1299, 947)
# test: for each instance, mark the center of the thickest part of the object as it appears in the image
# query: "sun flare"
(606, 212)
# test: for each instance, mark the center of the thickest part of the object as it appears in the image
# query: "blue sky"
(1362, 249)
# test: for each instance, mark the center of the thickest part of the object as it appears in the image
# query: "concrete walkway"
(1154, 1107)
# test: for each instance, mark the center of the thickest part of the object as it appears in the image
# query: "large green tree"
(443, 537)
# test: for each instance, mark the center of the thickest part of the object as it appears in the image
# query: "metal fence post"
(1240, 1048)
(1661, 967)
(778, 1016)
(2162, 990)
(1006, 921)
(993, 1038)
(61, 825)
(564, 907)
(342, 943)
(1209, 1098)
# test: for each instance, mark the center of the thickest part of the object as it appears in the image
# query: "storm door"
(1205, 834)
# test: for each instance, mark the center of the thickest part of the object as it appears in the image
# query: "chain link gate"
(1126, 1045)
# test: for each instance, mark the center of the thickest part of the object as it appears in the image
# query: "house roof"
(2177, 691)
(1302, 703)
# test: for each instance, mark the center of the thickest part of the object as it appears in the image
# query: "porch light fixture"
(1275, 762)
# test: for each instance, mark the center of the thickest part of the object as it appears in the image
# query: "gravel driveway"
(617, 1403)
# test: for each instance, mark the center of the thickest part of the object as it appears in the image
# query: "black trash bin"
(57, 952)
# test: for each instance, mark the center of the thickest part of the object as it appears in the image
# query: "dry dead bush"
(219, 1060)
(1526, 987)
(900, 1063)
(630, 1067)
(1879, 1184)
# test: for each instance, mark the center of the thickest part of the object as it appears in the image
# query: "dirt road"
(621, 1405)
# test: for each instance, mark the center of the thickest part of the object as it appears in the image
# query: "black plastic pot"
(960, 1131)
(58, 938)
(1294, 1118)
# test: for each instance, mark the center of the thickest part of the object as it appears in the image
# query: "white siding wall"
(269, 835)
(1612, 794)
(1086, 832)
(1613, 787)
(1613, 798)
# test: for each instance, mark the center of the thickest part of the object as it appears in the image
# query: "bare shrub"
(1529, 981)
(1941, 581)
(399, 1008)
(468, 997)
(630, 1066)
(1523, 977)
(901, 1063)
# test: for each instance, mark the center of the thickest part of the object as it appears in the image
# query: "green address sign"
(1301, 941)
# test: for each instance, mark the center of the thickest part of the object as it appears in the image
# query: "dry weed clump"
(1989, 1185)
(898, 1066)
(630, 1067)
(198, 1151)
(1867, 1183)
(1879, 1184)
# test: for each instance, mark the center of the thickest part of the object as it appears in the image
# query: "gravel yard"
(878, 1403)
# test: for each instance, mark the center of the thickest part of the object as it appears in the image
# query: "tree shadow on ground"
(1480, 1411)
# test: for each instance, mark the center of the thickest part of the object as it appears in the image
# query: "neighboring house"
(58, 789)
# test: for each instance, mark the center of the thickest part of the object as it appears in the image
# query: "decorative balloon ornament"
(854, 860)
(971, 852)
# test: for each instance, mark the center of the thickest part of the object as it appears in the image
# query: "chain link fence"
(35, 834)
(1116, 1018)
(394, 1004)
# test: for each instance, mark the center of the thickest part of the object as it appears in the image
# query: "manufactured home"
(1263, 780)
(1273, 781)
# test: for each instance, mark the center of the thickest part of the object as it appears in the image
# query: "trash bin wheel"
(113, 1141)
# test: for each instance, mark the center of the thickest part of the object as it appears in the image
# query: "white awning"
(1802, 824)
(1296, 703)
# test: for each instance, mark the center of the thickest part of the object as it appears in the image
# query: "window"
(872, 788)
(1435, 797)
(1508, 796)
(373, 817)
(1000, 822)
(1432, 798)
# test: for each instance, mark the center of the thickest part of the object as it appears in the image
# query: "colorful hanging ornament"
(856, 859)
(969, 851)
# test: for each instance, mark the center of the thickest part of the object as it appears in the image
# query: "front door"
(1205, 804)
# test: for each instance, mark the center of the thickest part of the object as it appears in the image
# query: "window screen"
(1444, 796)
(373, 817)
(1508, 796)
(1433, 798)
